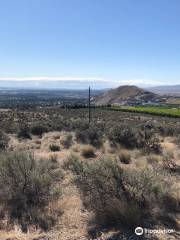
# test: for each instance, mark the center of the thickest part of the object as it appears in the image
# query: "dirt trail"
(73, 222)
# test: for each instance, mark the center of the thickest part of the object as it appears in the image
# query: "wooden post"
(89, 105)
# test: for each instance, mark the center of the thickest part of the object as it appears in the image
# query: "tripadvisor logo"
(139, 231)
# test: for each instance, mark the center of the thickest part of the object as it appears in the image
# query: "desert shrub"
(166, 130)
(131, 137)
(124, 156)
(147, 185)
(66, 141)
(54, 148)
(27, 186)
(126, 136)
(3, 141)
(79, 124)
(91, 135)
(153, 145)
(43, 220)
(56, 125)
(38, 130)
(88, 151)
(172, 199)
(24, 133)
(9, 125)
(120, 196)
(73, 164)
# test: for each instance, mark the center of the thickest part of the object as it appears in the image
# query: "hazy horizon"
(69, 84)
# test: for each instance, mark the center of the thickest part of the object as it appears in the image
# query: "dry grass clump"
(124, 156)
(76, 148)
(88, 151)
(141, 163)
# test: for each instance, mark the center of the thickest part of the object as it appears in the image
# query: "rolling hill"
(128, 95)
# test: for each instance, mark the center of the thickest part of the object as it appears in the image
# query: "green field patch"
(153, 110)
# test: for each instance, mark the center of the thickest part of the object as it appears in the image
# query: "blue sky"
(114, 41)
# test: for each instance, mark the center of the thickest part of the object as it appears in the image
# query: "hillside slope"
(127, 95)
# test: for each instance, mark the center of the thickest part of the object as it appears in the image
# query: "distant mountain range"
(128, 95)
(173, 90)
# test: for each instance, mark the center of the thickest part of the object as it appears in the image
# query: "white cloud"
(144, 82)
(141, 82)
